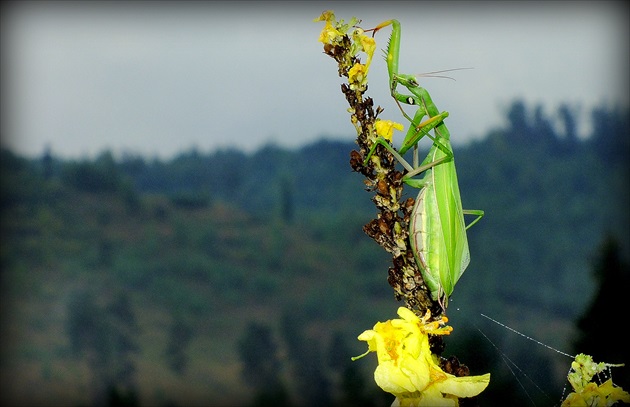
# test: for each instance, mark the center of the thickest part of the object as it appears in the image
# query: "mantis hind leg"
(476, 212)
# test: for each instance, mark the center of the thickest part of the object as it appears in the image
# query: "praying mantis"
(437, 231)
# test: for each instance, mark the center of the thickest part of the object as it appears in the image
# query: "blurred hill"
(137, 281)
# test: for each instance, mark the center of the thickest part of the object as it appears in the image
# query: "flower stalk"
(345, 43)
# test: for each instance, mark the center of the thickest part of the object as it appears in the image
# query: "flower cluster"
(587, 393)
(333, 34)
(407, 368)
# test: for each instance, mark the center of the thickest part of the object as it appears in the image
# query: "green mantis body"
(437, 231)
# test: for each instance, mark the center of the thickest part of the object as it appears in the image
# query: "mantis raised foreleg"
(437, 231)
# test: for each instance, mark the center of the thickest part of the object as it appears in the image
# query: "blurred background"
(180, 224)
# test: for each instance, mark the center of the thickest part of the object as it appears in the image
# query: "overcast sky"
(159, 78)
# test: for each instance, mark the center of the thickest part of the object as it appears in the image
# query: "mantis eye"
(411, 101)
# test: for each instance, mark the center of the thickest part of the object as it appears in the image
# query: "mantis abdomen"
(437, 231)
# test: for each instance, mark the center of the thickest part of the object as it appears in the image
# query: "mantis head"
(408, 81)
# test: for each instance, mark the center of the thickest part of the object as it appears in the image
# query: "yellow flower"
(327, 15)
(585, 392)
(406, 367)
(333, 30)
(368, 44)
(606, 394)
(357, 76)
(329, 34)
(385, 128)
(334, 33)
(365, 44)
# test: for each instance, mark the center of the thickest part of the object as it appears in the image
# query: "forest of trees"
(227, 278)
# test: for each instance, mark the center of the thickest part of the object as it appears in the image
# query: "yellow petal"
(385, 129)
(467, 386)
(433, 397)
(329, 34)
(613, 393)
(417, 370)
(368, 44)
(428, 398)
(391, 379)
(403, 312)
(357, 76)
(327, 15)
(574, 400)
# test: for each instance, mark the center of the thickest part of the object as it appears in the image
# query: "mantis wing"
(437, 229)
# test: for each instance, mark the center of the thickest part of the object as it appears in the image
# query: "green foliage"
(180, 335)
(86, 326)
(105, 338)
(260, 356)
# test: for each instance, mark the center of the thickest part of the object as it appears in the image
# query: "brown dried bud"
(454, 367)
(356, 161)
(382, 187)
(383, 226)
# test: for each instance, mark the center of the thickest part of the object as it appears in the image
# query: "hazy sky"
(157, 78)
